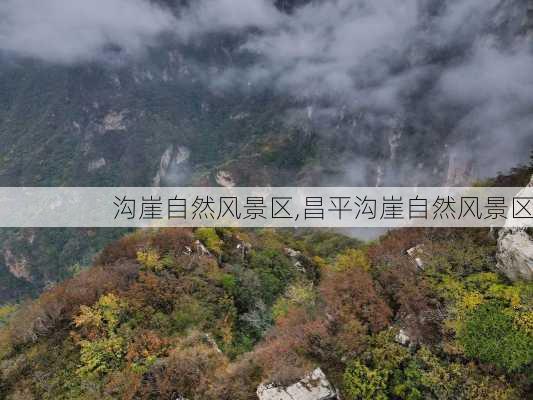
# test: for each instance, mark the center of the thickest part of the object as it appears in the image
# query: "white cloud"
(462, 61)
(67, 31)
(324, 47)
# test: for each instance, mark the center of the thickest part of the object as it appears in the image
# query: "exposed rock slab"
(314, 386)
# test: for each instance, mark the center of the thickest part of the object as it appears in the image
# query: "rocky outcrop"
(515, 251)
(515, 254)
(96, 164)
(172, 160)
(416, 253)
(314, 386)
(225, 179)
(244, 248)
(115, 121)
(201, 249)
(18, 266)
(292, 253)
(402, 338)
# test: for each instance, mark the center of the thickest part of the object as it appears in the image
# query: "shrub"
(167, 240)
(150, 259)
(103, 318)
(152, 292)
(292, 348)
(297, 295)
(58, 305)
(100, 356)
(144, 350)
(412, 300)
(274, 271)
(103, 349)
(489, 335)
(5, 312)
(189, 371)
(238, 382)
(352, 258)
(363, 383)
(459, 256)
(189, 313)
(524, 321)
(351, 295)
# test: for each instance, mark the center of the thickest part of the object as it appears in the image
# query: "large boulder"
(515, 249)
(515, 254)
(314, 386)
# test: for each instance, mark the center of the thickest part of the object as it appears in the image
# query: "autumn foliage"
(211, 314)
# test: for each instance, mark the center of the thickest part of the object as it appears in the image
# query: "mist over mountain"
(396, 90)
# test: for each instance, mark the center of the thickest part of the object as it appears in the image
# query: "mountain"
(215, 95)
(259, 93)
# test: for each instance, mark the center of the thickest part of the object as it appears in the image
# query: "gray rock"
(292, 253)
(201, 249)
(415, 254)
(225, 179)
(515, 254)
(402, 338)
(96, 164)
(515, 249)
(172, 162)
(314, 386)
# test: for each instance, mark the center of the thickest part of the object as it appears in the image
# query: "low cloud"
(494, 87)
(68, 31)
(327, 48)
(461, 64)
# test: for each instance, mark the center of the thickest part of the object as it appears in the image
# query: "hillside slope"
(212, 314)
